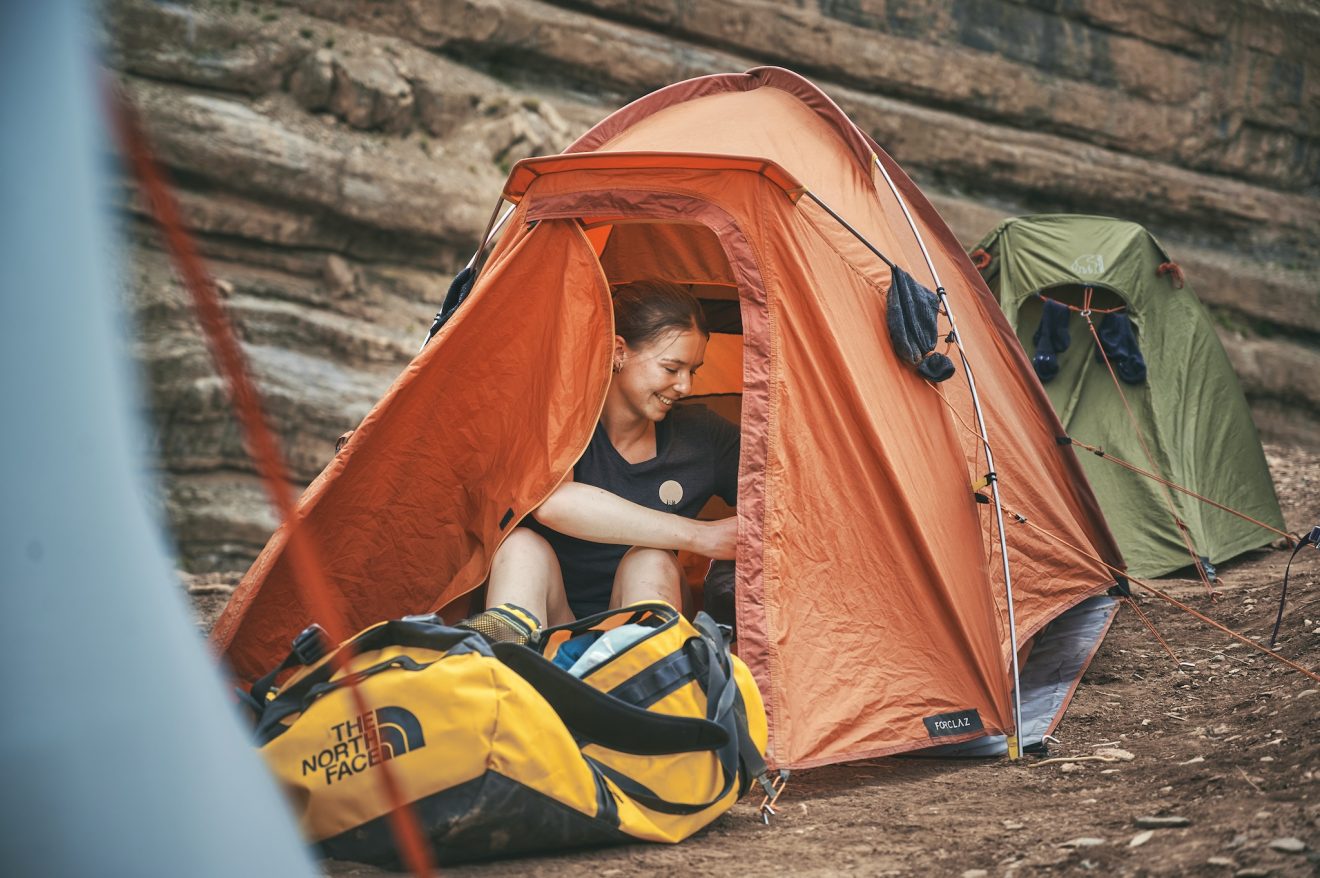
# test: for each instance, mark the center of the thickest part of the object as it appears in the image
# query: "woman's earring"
(618, 366)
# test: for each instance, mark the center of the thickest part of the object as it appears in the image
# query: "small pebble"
(1083, 842)
(1013, 824)
(1252, 872)
(1194, 760)
(1238, 841)
(1267, 759)
(1220, 861)
(1069, 767)
(1308, 692)
(1115, 753)
(1141, 838)
(975, 873)
(1289, 845)
(1170, 822)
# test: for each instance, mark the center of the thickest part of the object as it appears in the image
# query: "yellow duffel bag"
(501, 751)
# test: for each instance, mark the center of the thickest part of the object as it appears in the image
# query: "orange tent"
(871, 593)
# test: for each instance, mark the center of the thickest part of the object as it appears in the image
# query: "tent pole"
(492, 229)
(1015, 741)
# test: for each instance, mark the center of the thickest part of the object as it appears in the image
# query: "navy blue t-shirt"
(696, 458)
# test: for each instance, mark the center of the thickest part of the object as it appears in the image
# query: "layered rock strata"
(338, 160)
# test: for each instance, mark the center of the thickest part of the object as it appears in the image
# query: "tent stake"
(1015, 740)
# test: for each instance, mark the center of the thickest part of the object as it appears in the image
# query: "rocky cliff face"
(338, 160)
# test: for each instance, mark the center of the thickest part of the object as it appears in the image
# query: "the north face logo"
(400, 732)
(395, 728)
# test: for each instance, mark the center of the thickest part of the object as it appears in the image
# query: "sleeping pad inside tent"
(871, 595)
(1173, 405)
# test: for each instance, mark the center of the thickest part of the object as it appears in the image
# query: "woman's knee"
(648, 575)
(655, 563)
(526, 546)
(525, 571)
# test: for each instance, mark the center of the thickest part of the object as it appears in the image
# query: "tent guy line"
(1101, 453)
(1150, 626)
(1141, 438)
(262, 446)
(1022, 519)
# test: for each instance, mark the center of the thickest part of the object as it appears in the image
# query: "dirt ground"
(1226, 738)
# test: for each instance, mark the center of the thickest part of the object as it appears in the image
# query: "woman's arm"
(594, 514)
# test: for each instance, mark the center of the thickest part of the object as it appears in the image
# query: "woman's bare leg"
(526, 572)
(647, 575)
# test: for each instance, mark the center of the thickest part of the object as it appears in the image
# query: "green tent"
(1189, 410)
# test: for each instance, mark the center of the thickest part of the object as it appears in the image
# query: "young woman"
(607, 537)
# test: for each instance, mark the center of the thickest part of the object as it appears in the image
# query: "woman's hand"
(717, 539)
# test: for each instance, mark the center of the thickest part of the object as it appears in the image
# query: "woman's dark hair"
(644, 309)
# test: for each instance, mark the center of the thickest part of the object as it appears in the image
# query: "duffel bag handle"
(284, 707)
(413, 632)
(598, 718)
(309, 647)
(657, 614)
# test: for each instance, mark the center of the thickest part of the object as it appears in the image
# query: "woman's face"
(656, 375)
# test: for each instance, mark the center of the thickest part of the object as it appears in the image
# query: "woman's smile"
(653, 377)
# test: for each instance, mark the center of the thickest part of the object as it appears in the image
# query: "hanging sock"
(1051, 339)
(459, 289)
(912, 314)
(1119, 344)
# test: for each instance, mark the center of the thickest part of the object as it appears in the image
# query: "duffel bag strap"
(721, 698)
(644, 796)
(751, 763)
(412, 632)
(269, 727)
(310, 646)
(597, 718)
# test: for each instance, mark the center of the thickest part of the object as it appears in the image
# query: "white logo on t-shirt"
(670, 493)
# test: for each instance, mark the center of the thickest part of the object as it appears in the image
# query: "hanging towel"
(912, 315)
(1119, 344)
(459, 288)
(1051, 339)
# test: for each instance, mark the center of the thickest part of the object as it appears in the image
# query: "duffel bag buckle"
(311, 645)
